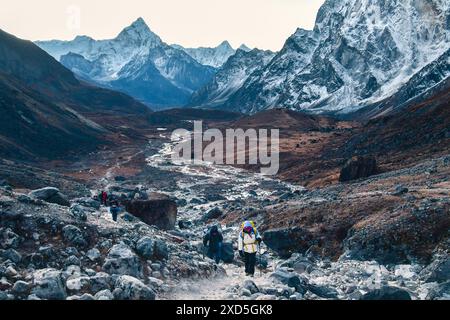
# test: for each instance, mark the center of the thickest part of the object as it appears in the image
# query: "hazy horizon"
(194, 23)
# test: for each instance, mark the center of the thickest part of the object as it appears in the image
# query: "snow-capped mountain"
(214, 57)
(359, 53)
(137, 62)
(231, 77)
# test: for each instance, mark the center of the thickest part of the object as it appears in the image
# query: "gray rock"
(387, 293)
(88, 203)
(291, 279)
(145, 247)
(400, 190)
(73, 236)
(47, 284)
(245, 292)
(12, 255)
(323, 291)
(93, 254)
(9, 239)
(129, 288)
(104, 295)
(51, 195)
(21, 288)
(250, 286)
(78, 284)
(101, 281)
(161, 251)
(215, 213)
(78, 212)
(122, 260)
(72, 261)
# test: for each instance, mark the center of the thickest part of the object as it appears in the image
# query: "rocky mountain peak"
(140, 31)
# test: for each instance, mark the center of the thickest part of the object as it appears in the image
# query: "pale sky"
(265, 24)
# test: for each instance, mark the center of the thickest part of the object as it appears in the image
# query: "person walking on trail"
(213, 241)
(104, 198)
(115, 209)
(248, 243)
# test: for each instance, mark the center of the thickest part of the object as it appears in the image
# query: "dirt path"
(219, 288)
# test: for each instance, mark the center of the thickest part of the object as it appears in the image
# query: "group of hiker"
(249, 243)
(114, 205)
(249, 240)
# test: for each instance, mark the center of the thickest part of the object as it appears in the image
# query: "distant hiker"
(248, 244)
(104, 198)
(115, 209)
(213, 240)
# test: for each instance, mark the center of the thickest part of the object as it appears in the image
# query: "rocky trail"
(58, 248)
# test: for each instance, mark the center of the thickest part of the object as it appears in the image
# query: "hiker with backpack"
(103, 198)
(248, 243)
(115, 209)
(213, 240)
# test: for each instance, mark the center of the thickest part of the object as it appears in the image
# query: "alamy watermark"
(228, 146)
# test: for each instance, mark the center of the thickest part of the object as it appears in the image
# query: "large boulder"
(159, 211)
(51, 195)
(122, 260)
(48, 284)
(387, 293)
(358, 168)
(288, 240)
(129, 288)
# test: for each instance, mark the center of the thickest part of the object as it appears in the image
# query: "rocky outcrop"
(159, 211)
(51, 195)
(358, 168)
